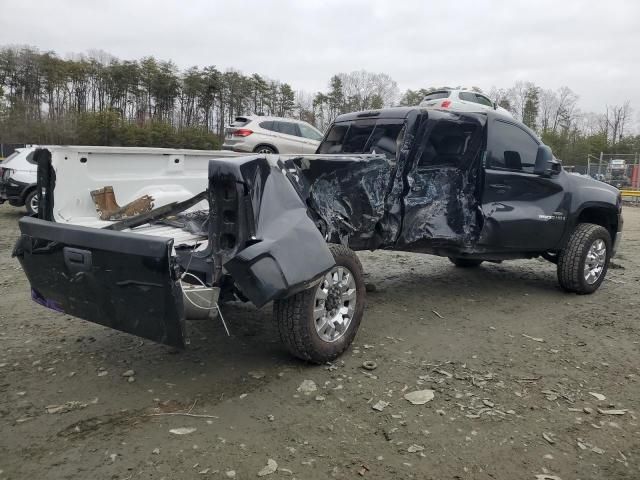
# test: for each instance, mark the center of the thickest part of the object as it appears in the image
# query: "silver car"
(271, 135)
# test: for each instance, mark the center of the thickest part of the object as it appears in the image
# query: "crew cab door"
(121, 280)
(441, 203)
(523, 211)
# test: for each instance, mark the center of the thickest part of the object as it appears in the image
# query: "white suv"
(461, 101)
(18, 177)
(271, 135)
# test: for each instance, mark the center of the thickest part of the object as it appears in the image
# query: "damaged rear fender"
(277, 250)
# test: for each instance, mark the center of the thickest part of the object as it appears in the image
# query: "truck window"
(451, 144)
(512, 148)
(364, 136)
(357, 136)
(385, 138)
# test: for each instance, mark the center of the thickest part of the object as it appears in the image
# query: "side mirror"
(544, 159)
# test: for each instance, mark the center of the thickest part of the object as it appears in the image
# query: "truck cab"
(491, 189)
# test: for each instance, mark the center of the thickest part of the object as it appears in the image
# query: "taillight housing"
(5, 173)
(445, 103)
(242, 132)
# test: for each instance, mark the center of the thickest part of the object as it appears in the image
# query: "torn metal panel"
(427, 195)
(260, 230)
(348, 195)
(108, 208)
(442, 194)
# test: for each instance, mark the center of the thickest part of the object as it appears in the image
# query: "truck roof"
(404, 112)
(434, 113)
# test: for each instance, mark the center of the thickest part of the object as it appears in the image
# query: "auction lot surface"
(511, 358)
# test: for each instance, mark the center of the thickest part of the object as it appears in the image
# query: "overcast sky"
(591, 46)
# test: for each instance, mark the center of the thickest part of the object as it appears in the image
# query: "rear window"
(364, 136)
(240, 121)
(437, 95)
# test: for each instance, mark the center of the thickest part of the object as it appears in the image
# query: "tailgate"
(120, 280)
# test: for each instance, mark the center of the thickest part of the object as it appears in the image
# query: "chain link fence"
(620, 170)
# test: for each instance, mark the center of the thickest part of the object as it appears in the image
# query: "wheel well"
(257, 147)
(600, 216)
(27, 191)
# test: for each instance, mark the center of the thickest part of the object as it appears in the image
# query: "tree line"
(96, 98)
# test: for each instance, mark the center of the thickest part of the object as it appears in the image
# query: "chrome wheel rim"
(335, 304)
(33, 204)
(595, 261)
(265, 150)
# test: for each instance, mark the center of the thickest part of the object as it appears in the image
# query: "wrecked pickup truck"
(195, 232)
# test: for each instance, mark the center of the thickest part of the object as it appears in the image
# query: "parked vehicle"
(616, 173)
(472, 187)
(271, 135)
(462, 100)
(18, 180)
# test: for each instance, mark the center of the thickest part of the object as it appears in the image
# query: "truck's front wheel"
(319, 324)
(583, 263)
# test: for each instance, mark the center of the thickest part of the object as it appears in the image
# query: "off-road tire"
(571, 260)
(29, 202)
(465, 262)
(294, 316)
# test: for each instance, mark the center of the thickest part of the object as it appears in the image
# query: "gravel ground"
(513, 361)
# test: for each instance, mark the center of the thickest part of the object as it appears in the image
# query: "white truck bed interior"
(167, 175)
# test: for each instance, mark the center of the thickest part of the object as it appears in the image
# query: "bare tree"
(616, 117)
(547, 109)
(363, 90)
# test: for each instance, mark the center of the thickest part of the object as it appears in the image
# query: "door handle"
(500, 186)
(77, 260)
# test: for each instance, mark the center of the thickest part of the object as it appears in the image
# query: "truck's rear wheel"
(319, 324)
(465, 262)
(583, 263)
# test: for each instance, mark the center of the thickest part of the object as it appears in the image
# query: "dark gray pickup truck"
(472, 187)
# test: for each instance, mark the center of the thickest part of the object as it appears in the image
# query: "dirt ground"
(511, 358)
